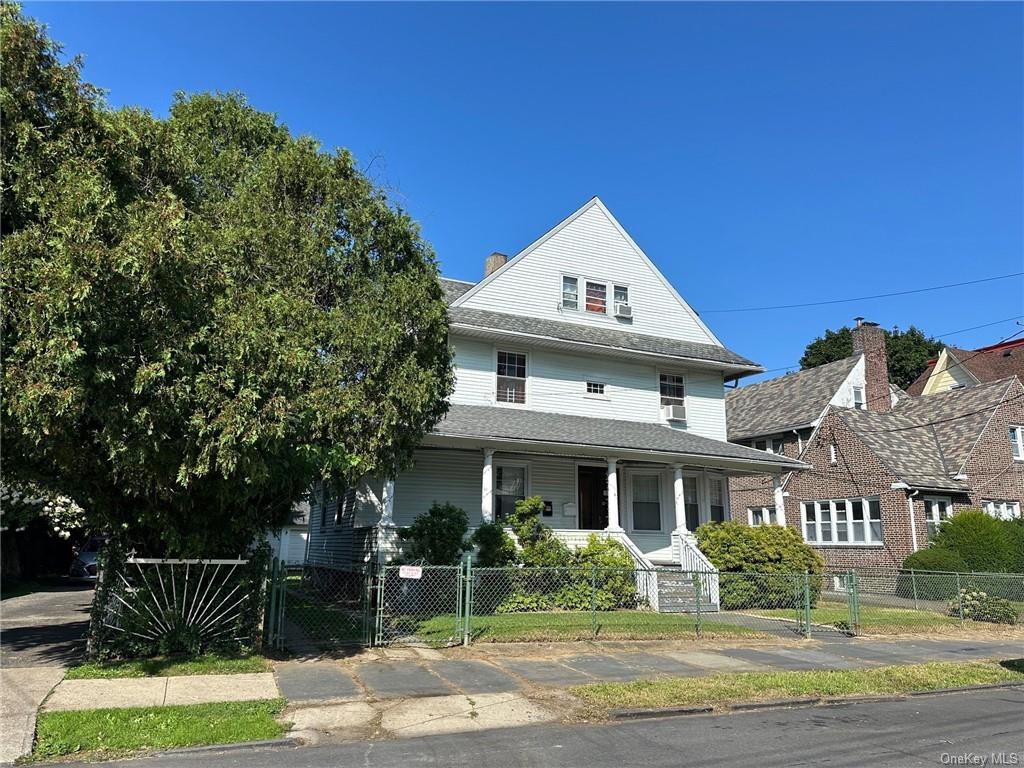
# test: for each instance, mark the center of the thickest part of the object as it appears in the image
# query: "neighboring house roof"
(784, 403)
(454, 288)
(606, 338)
(520, 425)
(984, 364)
(925, 441)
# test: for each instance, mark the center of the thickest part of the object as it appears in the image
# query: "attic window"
(858, 398)
(832, 456)
(1017, 443)
(570, 293)
(597, 297)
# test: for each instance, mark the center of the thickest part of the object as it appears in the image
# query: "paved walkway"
(158, 691)
(404, 673)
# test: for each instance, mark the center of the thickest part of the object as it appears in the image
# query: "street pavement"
(921, 731)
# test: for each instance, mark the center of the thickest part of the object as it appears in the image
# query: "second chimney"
(493, 262)
(869, 339)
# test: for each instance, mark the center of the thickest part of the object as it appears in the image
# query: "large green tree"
(201, 313)
(907, 352)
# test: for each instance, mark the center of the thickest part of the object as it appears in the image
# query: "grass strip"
(759, 686)
(209, 664)
(877, 620)
(572, 625)
(106, 733)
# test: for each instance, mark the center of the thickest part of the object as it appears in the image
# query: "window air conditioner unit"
(622, 309)
(674, 412)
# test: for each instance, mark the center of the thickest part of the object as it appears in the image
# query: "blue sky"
(760, 154)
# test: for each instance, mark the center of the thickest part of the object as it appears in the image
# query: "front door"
(593, 498)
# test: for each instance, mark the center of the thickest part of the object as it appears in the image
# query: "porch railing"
(692, 560)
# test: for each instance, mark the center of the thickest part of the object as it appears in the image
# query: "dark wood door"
(593, 498)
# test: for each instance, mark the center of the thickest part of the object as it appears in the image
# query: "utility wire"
(862, 298)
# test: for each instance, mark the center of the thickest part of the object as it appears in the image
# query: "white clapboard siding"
(440, 476)
(705, 405)
(590, 245)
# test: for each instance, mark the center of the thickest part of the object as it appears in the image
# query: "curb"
(234, 746)
(829, 701)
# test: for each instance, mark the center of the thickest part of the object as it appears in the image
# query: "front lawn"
(753, 686)
(874, 620)
(569, 625)
(107, 733)
(209, 664)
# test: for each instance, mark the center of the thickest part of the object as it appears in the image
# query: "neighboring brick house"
(883, 477)
(955, 368)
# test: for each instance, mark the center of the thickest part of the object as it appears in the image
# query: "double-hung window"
(509, 487)
(762, 516)
(597, 297)
(646, 503)
(1017, 443)
(673, 391)
(620, 294)
(842, 521)
(716, 495)
(1004, 510)
(511, 377)
(936, 509)
(570, 293)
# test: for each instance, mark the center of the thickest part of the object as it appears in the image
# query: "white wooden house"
(583, 377)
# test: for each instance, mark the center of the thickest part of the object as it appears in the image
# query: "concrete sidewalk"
(160, 691)
(21, 692)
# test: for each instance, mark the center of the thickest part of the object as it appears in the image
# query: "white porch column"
(613, 497)
(387, 504)
(487, 488)
(780, 499)
(680, 500)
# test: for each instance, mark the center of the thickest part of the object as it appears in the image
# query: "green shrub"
(438, 537)
(1015, 530)
(984, 543)
(768, 556)
(495, 548)
(981, 606)
(935, 558)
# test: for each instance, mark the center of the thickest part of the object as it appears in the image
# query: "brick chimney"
(493, 262)
(870, 339)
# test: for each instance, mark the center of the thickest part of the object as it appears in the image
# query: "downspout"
(913, 523)
(799, 443)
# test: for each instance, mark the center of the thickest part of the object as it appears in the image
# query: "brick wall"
(756, 490)
(992, 473)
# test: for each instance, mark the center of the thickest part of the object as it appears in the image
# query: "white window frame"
(769, 515)
(1001, 509)
(833, 541)
(833, 455)
(602, 395)
(677, 374)
(933, 518)
(859, 401)
(561, 292)
(588, 282)
(514, 464)
(1016, 433)
(659, 476)
(526, 381)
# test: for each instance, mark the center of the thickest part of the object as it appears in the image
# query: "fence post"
(807, 605)
(593, 599)
(268, 604)
(913, 585)
(696, 591)
(282, 577)
(960, 598)
(854, 603)
(467, 603)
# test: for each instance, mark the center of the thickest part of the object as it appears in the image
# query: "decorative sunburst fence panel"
(147, 606)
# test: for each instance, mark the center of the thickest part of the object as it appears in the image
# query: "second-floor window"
(1017, 442)
(511, 377)
(597, 297)
(672, 389)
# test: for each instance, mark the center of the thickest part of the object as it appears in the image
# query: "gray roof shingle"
(780, 404)
(604, 337)
(453, 289)
(926, 440)
(481, 421)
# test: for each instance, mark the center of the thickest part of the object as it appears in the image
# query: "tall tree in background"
(201, 314)
(907, 352)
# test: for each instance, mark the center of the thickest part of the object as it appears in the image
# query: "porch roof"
(518, 428)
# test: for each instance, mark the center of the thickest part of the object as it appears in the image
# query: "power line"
(862, 298)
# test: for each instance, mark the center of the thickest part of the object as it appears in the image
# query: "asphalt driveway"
(45, 628)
